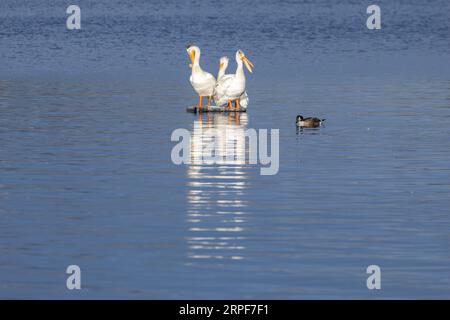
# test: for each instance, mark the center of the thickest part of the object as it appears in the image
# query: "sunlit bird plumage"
(231, 87)
(203, 82)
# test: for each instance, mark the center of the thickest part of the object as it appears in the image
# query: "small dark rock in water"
(224, 109)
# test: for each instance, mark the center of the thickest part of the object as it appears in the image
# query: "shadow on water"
(216, 211)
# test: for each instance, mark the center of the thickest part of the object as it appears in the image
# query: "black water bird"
(309, 122)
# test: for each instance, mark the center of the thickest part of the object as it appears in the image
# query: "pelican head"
(193, 52)
(240, 56)
(223, 62)
(223, 65)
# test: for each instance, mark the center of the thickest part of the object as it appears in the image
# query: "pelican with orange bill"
(203, 82)
(231, 88)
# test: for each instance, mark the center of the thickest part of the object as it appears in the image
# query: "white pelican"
(222, 78)
(231, 87)
(202, 82)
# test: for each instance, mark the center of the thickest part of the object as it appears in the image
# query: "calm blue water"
(86, 176)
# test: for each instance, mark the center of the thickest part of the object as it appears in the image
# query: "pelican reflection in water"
(216, 188)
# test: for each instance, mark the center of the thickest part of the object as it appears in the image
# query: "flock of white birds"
(227, 89)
